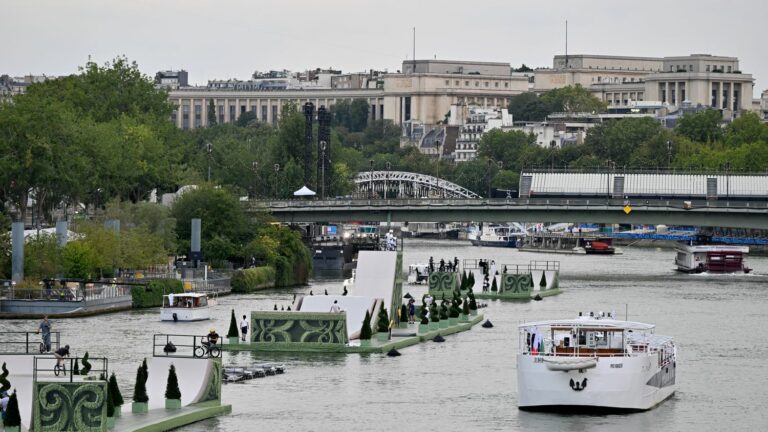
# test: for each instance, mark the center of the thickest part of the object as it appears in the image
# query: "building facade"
(425, 96)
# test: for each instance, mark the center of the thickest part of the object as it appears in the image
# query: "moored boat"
(711, 258)
(496, 236)
(594, 362)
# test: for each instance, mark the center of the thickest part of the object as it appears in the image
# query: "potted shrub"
(86, 364)
(172, 392)
(114, 392)
(382, 330)
(76, 368)
(434, 317)
(110, 409)
(403, 316)
(140, 398)
(465, 311)
(365, 331)
(233, 334)
(12, 420)
(472, 304)
(424, 323)
(494, 286)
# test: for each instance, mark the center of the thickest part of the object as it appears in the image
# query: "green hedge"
(152, 294)
(252, 279)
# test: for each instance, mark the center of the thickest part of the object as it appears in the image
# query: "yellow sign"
(627, 209)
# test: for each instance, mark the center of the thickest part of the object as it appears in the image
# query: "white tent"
(304, 191)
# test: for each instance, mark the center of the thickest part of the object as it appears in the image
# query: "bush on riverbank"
(252, 279)
(152, 294)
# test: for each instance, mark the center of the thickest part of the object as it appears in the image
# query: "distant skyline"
(233, 38)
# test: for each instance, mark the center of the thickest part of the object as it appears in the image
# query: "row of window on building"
(468, 83)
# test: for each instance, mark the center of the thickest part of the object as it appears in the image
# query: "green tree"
(572, 99)
(351, 115)
(617, 140)
(365, 331)
(225, 229)
(245, 119)
(748, 128)
(211, 114)
(114, 390)
(528, 107)
(140, 388)
(78, 260)
(703, 127)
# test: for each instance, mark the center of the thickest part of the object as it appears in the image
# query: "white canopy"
(304, 191)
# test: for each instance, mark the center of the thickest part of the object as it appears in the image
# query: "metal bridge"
(741, 214)
(401, 184)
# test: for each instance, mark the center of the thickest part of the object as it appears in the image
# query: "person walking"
(45, 327)
(244, 328)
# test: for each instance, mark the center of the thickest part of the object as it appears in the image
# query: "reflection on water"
(469, 382)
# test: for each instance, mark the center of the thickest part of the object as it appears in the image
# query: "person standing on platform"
(45, 327)
(244, 328)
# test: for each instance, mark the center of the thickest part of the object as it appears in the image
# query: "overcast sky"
(232, 38)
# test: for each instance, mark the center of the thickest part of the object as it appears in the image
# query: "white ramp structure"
(194, 376)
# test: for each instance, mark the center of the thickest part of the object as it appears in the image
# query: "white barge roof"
(591, 322)
(188, 294)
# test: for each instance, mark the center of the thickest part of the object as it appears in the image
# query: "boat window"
(203, 301)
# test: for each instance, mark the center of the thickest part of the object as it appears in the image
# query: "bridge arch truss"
(401, 184)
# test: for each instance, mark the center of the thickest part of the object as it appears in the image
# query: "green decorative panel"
(298, 327)
(63, 406)
(213, 392)
(443, 283)
(516, 283)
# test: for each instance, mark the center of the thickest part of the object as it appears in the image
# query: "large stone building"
(700, 79)
(425, 95)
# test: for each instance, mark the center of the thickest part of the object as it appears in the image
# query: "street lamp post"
(322, 169)
(727, 181)
(669, 154)
(489, 178)
(277, 177)
(437, 146)
(255, 168)
(370, 185)
(386, 180)
(209, 149)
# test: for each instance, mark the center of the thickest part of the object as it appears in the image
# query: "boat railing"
(26, 342)
(183, 346)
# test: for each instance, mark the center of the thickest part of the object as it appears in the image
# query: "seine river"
(469, 382)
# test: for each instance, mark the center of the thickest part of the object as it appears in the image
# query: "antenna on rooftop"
(414, 51)
(566, 44)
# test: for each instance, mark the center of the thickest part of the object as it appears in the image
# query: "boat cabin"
(588, 336)
(185, 300)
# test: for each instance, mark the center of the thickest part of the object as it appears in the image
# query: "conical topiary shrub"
(404, 314)
(114, 392)
(444, 310)
(12, 420)
(383, 323)
(365, 331)
(76, 368)
(494, 286)
(233, 331)
(543, 284)
(86, 364)
(465, 308)
(424, 319)
(140, 397)
(172, 392)
(472, 302)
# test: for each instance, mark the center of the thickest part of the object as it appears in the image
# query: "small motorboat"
(188, 306)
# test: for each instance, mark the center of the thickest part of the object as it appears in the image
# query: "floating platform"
(157, 420)
(401, 338)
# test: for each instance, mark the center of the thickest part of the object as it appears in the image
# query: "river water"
(469, 382)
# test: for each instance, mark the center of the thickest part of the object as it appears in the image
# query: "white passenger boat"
(186, 307)
(594, 362)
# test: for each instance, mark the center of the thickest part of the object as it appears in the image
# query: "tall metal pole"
(322, 168)
(370, 188)
(437, 145)
(209, 148)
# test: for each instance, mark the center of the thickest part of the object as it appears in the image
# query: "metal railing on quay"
(89, 291)
(185, 346)
(27, 342)
(99, 366)
(544, 265)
